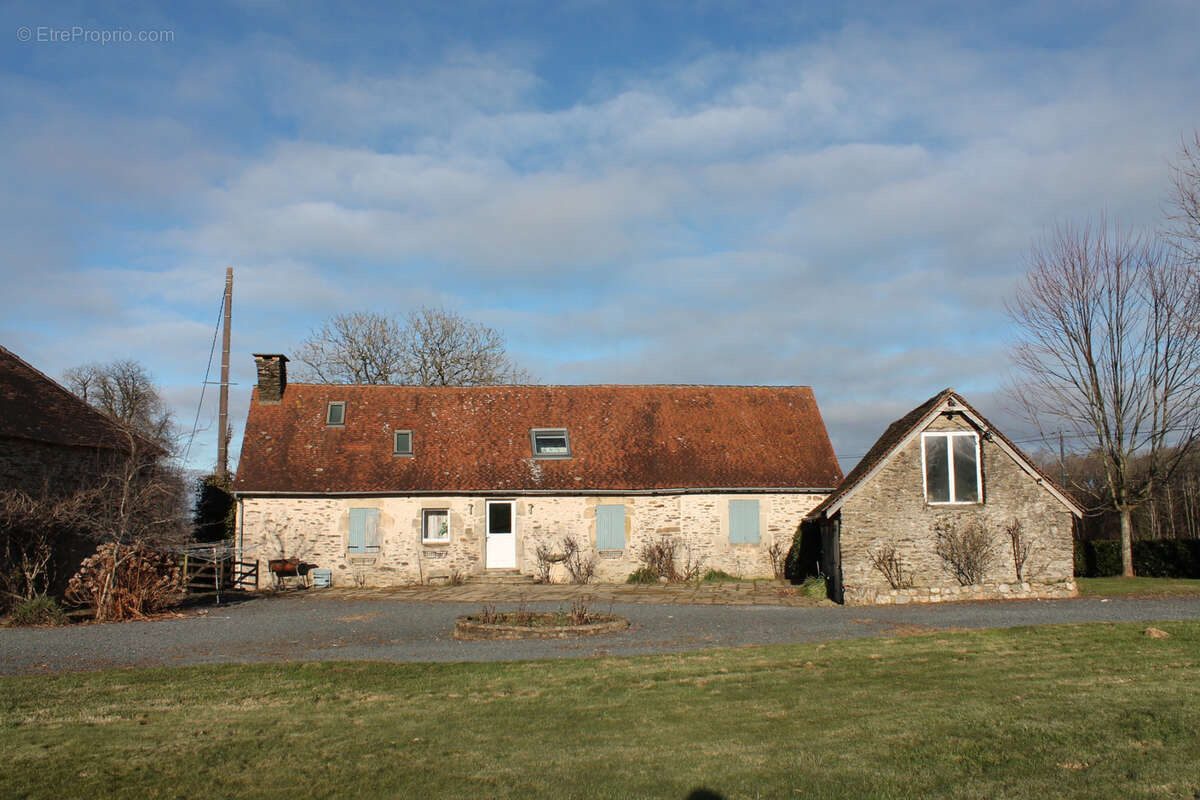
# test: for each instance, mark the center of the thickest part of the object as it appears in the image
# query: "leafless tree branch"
(1183, 213)
(429, 347)
(125, 391)
(1109, 351)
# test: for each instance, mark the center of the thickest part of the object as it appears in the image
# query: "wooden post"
(1062, 460)
(223, 406)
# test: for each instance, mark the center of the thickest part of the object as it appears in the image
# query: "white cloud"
(847, 212)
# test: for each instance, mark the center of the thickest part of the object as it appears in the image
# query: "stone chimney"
(272, 377)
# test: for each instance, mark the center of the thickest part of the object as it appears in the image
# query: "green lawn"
(1088, 711)
(1124, 587)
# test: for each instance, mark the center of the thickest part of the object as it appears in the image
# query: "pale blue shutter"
(364, 526)
(372, 534)
(743, 520)
(610, 527)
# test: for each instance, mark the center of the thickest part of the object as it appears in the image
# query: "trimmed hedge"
(1152, 558)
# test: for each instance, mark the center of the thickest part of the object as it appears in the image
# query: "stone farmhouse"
(388, 485)
(398, 484)
(944, 464)
(53, 444)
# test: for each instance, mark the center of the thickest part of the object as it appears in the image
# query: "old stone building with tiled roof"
(53, 445)
(944, 464)
(51, 442)
(398, 484)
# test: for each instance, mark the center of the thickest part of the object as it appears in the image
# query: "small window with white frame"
(402, 443)
(951, 464)
(435, 525)
(550, 443)
(335, 414)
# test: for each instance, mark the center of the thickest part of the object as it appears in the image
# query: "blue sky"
(706, 192)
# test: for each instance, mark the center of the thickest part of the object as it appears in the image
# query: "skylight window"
(550, 443)
(402, 443)
(335, 414)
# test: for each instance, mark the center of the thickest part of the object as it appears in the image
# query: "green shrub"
(40, 610)
(215, 513)
(718, 576)
(1082, 568)
(804, 559)
(1152, 558)
(815, 587)
(642, 575)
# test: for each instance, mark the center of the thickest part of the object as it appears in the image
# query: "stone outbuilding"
(53, 444)
(387, 485)
(939, 476)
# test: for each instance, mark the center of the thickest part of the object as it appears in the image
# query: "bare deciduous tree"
(965, 547)
(30, 529)
(1021, 547)
(580, 564)
(137, 504)
(445, 349)
(125, 391)
(887, 561)
(1184, 212)
(1109, 350)
(361, 347)
(429, 347)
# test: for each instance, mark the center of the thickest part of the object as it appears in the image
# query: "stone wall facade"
(947, 594)
(42, 469)
(890, 509)
(46, 470)
(316, 529)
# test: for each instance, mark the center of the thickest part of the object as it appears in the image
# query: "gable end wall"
(891, 508)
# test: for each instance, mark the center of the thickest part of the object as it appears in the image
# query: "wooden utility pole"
(1062, 459)
(223, 407)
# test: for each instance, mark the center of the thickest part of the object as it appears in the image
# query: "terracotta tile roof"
(899, 430)
(478, 439)
(35, 407)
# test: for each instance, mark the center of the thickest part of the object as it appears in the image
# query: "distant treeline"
(1171, 512)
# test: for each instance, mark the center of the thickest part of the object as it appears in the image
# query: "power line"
(207, 371)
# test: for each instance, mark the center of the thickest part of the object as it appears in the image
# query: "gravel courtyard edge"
(284, 629)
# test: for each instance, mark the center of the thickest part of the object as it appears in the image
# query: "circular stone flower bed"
(534, 626)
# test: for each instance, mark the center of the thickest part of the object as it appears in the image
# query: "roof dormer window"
(335, 415)
(550, 443)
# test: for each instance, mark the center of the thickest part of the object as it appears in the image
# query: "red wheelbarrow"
(290, 568)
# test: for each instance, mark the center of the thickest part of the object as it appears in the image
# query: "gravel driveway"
(290, 629)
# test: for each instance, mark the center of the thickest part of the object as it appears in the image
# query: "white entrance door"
(501, 534)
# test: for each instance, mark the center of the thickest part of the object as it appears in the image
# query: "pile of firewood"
(122, 582)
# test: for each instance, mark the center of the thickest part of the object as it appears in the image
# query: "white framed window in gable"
(950, 461)
(435, 525)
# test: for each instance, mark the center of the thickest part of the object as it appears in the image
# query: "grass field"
(1127, 587)
(1089, 711)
